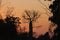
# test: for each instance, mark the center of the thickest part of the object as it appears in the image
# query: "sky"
(21, 5)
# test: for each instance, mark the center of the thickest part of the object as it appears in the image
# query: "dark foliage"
(8, 28)
(44, 37)
(9, 24)
(55, 9)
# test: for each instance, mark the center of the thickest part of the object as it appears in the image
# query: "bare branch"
(35, 16)
(31, 15)
(9, 11)
(25, 17)
(27, 13)
(46, 9)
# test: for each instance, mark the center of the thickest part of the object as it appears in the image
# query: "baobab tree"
(31, 16)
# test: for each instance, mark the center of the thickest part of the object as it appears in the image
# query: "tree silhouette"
(55, 9)
(11, 25)
(31, 16)
(8, 26)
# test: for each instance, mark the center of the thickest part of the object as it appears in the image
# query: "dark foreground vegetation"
(9, 24)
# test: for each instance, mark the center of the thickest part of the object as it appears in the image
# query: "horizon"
(21, 5)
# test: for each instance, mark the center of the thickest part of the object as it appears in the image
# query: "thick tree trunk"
(30, 30)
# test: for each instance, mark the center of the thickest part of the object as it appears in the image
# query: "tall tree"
(31, 16)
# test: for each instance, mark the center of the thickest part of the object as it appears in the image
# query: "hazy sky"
(21, 5)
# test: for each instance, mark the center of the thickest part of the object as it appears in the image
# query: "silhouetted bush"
(8, 28)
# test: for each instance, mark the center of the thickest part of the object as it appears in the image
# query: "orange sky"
(21, 5)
